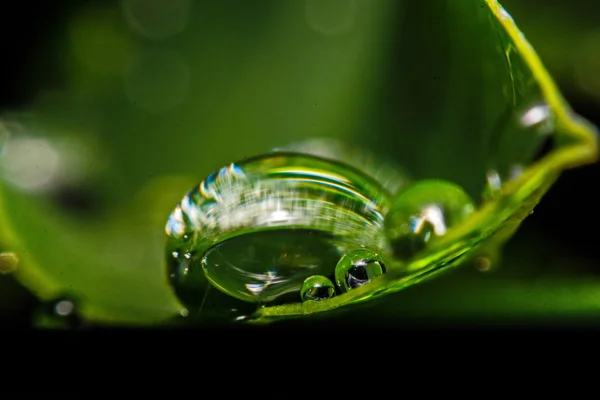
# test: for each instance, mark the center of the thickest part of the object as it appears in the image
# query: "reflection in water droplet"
(263, 266)
(157, 80)
(357, 268)
(256, 230)
(8, 262)
(424, 210)
(317, 288)
(331, 17)
(157, 19)
(383, 169)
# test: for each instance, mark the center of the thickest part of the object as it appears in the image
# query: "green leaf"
(440, 83)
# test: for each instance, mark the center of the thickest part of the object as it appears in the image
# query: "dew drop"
(8, 262)
(426, 209)
(357, 268)
(317, 287)
(483, 264)
(523, 136)
(256, 230)
(488, 259)
(262, 266)
(60, 313)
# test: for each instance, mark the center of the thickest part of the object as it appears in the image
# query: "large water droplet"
(257, 229)
(317, 288)
(427, 208)
(357, 268)
(264, 265)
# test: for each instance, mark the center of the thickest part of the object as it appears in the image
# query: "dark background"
(28, 32)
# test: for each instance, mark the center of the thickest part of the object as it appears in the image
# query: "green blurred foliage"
(158, 103)
(566, 35)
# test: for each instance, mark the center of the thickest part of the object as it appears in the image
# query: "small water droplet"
(426, 209)
(317, 288)
(488, 259)
(60, 313)
(523, 136)
(357, 268)
(258, 229)
(8, 262)
(483, 264)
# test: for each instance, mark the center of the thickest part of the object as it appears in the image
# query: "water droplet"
(539, 116)
(262, 266)
(424, 210)
(64, 308)
(257, 229)
(357, 268)
(60, 313)
(522, 137)
(8, 262)
(317, 288)
(488, 259)
(483, 264)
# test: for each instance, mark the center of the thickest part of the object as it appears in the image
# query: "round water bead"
(60, 313)
(317, 287)
(357, 268)
(257, 229)
(427, 208)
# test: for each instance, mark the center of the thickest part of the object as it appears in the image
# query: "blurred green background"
(549, 272)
